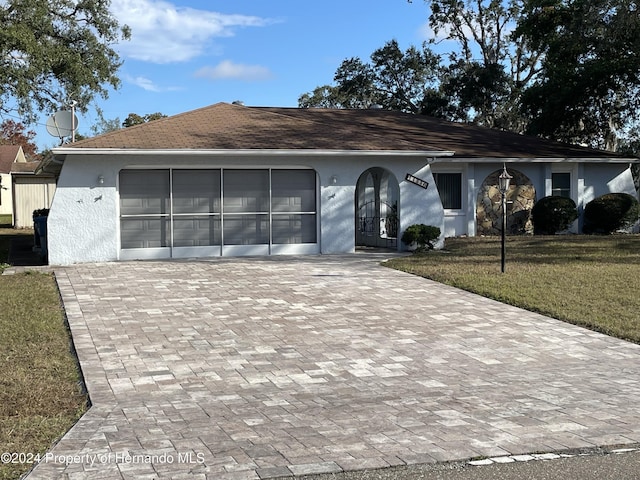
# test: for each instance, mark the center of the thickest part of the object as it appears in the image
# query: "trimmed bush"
(422, 235)
(553, 214)
(610, 212)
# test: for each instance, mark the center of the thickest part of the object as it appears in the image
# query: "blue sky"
(185, 54)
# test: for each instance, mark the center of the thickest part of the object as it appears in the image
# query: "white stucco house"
(228, 180)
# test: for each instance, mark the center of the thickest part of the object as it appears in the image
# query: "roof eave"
(437, 155)
(540, 160)
(63, 152)
(249, 152)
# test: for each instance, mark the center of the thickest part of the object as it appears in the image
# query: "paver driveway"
(256, 368)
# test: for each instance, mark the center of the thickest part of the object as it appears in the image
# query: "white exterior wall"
(588, 181)
(6, 194)
(419, 205)
(603, 179)
(83, 224)
(338, 202)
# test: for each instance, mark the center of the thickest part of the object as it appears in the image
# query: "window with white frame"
(561, 184)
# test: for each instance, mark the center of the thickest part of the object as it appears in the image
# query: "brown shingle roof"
(25, 167)
(235, 127)
(8, 154)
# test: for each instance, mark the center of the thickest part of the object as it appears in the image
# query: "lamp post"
(503, 186)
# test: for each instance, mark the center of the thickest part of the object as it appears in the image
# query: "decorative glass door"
(377, 198)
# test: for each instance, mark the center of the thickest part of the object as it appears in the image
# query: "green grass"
(41, 396)
(592, 281)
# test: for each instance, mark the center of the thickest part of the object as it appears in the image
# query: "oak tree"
(56, 51)
(393, 79)
(589, 85)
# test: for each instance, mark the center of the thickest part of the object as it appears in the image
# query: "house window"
(450, 189)
(561, 185)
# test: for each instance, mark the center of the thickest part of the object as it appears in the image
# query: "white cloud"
(164, 33)
(226, 70)
(143, 83)
(147, 84)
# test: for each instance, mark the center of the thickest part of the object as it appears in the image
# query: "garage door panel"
(246, 191)
(196, 191)
(293, 191)
(196, 231)
(145, 192)
(246, 229)
(144, 232)
(293, 228)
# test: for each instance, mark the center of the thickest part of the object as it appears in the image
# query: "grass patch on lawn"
(592, 281)
(41, 395)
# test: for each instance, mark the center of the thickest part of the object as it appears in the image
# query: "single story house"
(9, 154)
(21, 190)
(228, 180)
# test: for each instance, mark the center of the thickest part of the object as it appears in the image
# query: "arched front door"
(377, 209)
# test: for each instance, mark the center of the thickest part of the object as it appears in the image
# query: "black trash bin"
(40, 235)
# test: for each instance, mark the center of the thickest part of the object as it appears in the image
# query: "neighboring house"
(235, 180)
(21, 191)
(9, 154)
(32, 190)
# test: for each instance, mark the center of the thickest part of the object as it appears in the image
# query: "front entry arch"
(377, 209)
(520, 200)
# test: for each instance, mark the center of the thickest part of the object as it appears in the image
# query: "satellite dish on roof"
(62, 124)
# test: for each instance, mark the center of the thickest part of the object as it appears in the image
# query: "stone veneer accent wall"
(520, 200)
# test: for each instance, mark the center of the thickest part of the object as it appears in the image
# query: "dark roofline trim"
(538, 160)
(249, 152)
(436, 156)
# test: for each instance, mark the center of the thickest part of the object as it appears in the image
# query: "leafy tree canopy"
(394, 79)
(135, 119)
(479, 82)
(15, 133)
(490, 67)
(563, 69)
(103, 126)
(55, 51)
(588, 89)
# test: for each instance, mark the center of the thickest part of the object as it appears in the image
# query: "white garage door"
(195, 213)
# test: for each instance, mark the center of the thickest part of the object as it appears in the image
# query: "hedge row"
(605, 214)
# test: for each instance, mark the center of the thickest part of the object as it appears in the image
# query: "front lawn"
(593, 281)
(41, 396)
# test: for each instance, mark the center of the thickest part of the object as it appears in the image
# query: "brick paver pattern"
(259, 368)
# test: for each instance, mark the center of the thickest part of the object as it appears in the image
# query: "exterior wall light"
(333, 179)
(101, 180)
